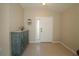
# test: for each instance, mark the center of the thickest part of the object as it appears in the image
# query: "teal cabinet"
(19, 41)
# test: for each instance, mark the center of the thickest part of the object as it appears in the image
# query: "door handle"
(41, 29)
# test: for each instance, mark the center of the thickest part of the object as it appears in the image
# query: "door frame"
(37, 18)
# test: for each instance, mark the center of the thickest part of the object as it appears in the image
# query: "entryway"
(43, 45)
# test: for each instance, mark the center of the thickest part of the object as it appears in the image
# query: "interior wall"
(31, 13)
(11, 17)
(4, 30)
(70, 27)
(16, 16)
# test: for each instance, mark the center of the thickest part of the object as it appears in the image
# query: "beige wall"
(16, 17)
(70, 27)
(33, 12)
(11, 17)
(4, 29)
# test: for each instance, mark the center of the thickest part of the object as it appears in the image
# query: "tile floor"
(46, 49)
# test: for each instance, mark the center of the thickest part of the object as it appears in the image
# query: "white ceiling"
(58, 7)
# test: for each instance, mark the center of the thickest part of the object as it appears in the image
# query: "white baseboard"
(65, 46)
(68, 47)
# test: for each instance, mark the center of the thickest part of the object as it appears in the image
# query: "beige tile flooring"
(46, 49)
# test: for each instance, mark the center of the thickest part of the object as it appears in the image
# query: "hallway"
(23, 23)
(46, 49)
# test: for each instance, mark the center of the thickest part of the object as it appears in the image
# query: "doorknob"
(41, 29)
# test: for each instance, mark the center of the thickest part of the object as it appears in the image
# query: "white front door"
(44, 29)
